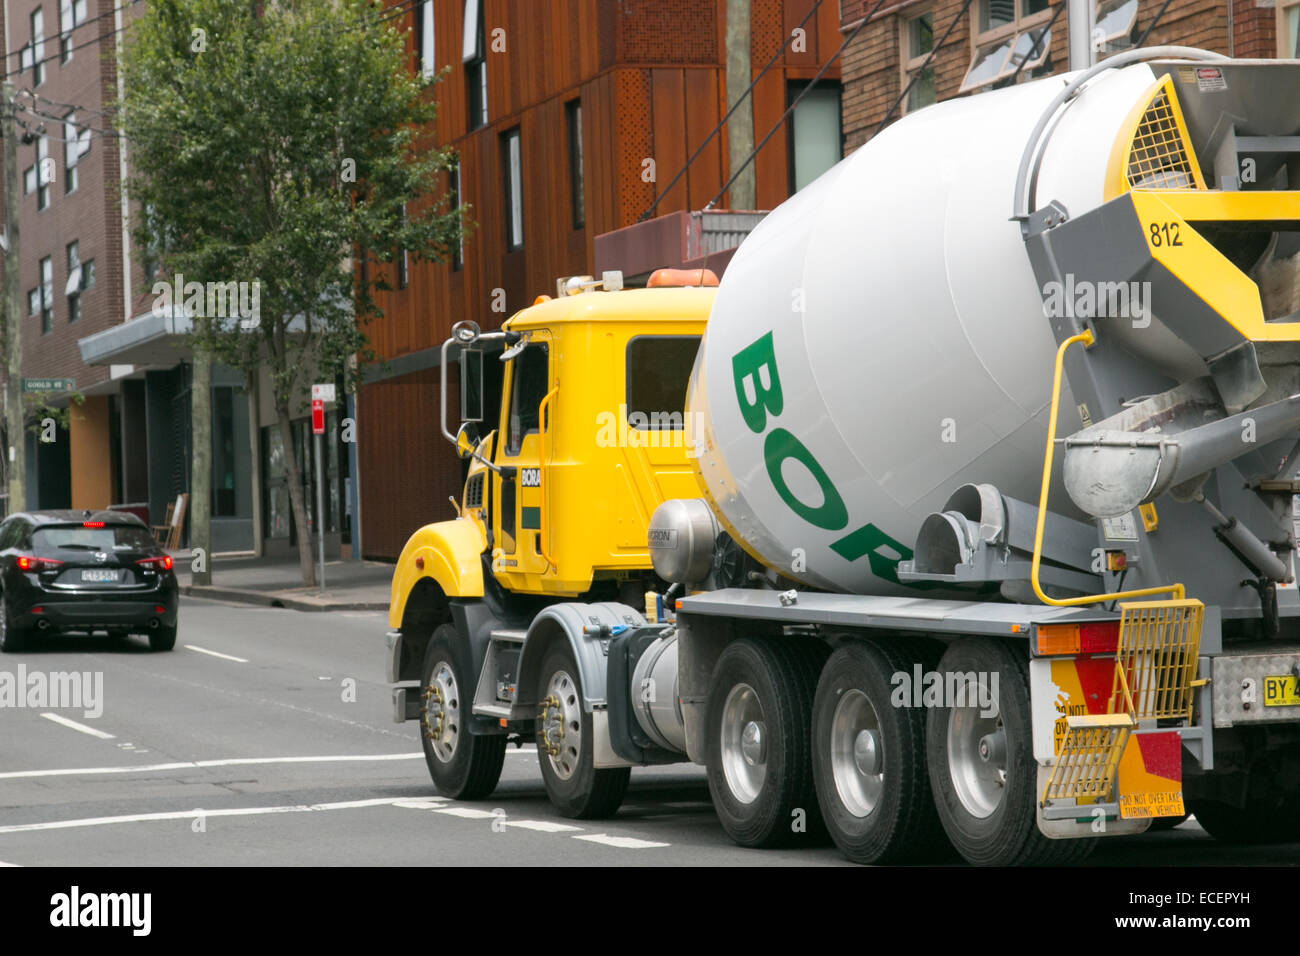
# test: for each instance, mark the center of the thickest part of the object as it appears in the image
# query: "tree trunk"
(294, 472)
(201, 470)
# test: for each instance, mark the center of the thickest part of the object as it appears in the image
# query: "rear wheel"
(463, 765)
(1249, 824)
(12, 638)
(565, 749)
(869, 757)
(162, 637)
(982, 768)
(759, 745)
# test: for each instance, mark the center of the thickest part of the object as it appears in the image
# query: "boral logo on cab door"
(758, 393)
(530, 477)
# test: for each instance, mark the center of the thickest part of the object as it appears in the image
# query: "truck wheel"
(1250, 824)
(869, 758)
(759, 745)
(12, 639)
(982, 768)
(565, 748)
(463, 765)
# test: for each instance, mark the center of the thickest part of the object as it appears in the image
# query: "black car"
(84, 571)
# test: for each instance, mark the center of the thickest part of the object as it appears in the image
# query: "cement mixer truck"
(993, 433)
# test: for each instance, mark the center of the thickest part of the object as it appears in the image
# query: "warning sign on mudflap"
(1167, 803)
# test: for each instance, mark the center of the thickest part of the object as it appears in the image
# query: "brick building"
(555, 108)
(997, 42)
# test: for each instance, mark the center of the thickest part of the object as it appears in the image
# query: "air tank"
(879, 339)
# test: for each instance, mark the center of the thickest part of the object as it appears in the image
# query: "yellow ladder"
(1155, 674)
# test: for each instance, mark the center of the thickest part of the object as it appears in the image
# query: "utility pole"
(1081, 17)
(16, 465)
(740, 131)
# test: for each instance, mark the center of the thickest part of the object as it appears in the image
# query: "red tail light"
(1100, 637)
(28, 563)
(163, 563)
(92, 524)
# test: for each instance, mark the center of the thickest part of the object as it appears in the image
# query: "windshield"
(122, 537)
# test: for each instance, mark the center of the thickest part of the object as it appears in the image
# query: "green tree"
(271, 143)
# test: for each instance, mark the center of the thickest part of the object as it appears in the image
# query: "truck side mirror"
(471, 385)
(467, 440)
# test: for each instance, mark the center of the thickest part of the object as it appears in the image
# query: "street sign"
(323, 393)
(317, 417)
(50, 384)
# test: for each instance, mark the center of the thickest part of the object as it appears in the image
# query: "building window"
(33, 301)
(29, 180)
(512, 167)
(1116, 27)
(33, 55)
(815, 140)
(458, 256)
(81, 276)
(473, 56)
(1012, 40)
(424, 48)
(918, 74)
(75, 145)
(403, 261)
(47, 295)
(1288, 29)
(72, 13)
(577, 188)
(44, 172)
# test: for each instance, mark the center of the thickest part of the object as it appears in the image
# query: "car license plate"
(1282, 690)
(101, 576)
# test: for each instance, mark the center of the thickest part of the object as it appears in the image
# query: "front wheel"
(463, 765)
(565, 748)
(759, 746)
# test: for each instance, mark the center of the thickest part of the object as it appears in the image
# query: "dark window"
(223, 452)
(47, 295)
(472, 55)
(33, 55)
(122, 537)
(658, 370)
(403, 261)
(512, 174)
(76, 282)
(530, 387)
(816, 143)
(458, 254)
(573, 115)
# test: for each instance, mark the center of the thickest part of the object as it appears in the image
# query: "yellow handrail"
(545, 456)
(1177, 590)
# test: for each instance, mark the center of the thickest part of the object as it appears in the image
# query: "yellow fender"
(450, 551)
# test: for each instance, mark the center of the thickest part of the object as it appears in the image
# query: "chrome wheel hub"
(857, 753)
(744, 743)
(559, 722)
(977, 759)
(441, 718)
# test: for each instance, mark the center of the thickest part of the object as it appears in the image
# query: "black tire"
(1001, 830)
(762, 806)
(1160, 824)
(463, 765)
(1250, 824)
(887, 816)
(162, 638)
(12, 639)
(575, 787)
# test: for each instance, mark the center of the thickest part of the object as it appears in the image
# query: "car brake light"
(92, 524)
(28, 563)
(164, 563)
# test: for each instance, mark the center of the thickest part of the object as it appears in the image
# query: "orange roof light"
(665, 278)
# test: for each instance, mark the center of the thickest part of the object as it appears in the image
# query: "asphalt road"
(265, 738)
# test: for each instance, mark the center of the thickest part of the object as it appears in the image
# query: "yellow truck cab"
(501, 613)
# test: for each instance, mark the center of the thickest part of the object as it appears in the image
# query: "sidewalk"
(277, 582)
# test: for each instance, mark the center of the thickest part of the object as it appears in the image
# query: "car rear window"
(122, 537)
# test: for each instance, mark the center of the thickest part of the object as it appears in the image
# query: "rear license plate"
(1282, 690)
(100, 576)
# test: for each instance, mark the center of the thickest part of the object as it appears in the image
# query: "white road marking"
(224, 657)
(421, 803)
(198, 764)
(469, 813)
(542, 826)
(623, 843)
(73, 725)
(195, 814)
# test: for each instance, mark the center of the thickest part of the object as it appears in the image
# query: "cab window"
(658, 372)
(526, 393)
